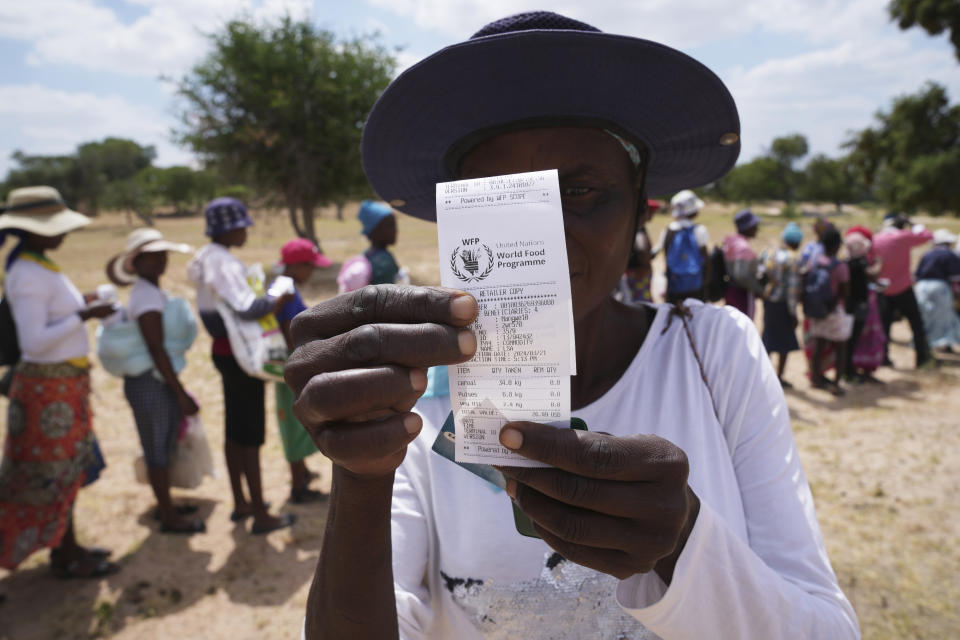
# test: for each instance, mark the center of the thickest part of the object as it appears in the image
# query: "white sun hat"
(120, 267)
(685, 204)
(40, 210)
(944, 236)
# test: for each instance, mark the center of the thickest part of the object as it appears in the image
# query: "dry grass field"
(882, 462)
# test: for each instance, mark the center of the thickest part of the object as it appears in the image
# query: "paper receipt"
(501, 239)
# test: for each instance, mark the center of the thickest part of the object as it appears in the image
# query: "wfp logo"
(471, 261)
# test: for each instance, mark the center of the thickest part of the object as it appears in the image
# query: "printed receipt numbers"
(501, 240)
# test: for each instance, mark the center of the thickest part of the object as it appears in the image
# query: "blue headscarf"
(792, 234)
(370, 215)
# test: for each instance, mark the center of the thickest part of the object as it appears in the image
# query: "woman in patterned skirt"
(51, 450)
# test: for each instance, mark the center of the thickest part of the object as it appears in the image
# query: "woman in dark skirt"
(781, 295)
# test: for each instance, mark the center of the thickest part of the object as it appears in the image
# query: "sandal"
(180, 510)
(240, 516)
(98, 570)
(283, 522)
(306, 495)
(190, 528)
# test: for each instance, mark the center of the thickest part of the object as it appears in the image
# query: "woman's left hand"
(621, 506)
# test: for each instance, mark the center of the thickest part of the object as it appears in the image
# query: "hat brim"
(322, 261)
(45, 224)
(117, 274)
(120, 267)
(676, 107)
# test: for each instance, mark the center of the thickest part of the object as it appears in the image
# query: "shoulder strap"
(678, 310)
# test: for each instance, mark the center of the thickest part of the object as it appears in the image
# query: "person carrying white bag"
(225, 299)
(147, 349)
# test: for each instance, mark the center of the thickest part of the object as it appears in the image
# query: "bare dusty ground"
(882, 462)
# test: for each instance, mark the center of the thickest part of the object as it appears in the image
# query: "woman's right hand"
(359, 366)
(96, 311)
(188, 406)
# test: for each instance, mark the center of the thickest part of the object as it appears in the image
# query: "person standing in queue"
(219, 275)
(938, 281)
(684, 244)
(781, 295)
(741, 263)
(51, 450)
(893, 245)
(684, 511)
(298, 258)
(376, 265)
(157, 398)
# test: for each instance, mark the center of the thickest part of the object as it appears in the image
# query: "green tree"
(59, 172)
(182, 188)
(829, 180)
(934, 16)
(787, 151)
(755, 180)
(281, 107)
(909, 158)
(110, 161)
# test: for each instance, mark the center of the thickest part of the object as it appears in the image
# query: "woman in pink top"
(741, 262)
(892, 245)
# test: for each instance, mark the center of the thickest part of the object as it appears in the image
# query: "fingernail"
(412, 423)
(467, 342)
(511, 438)
(418, 379)
(512, 489)
(463, 307)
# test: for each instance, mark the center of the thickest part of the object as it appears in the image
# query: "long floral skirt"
(49, 453)
(868, 352)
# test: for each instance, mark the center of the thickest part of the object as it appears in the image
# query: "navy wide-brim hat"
(542, 69)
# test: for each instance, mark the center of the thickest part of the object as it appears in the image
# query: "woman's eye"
(576, 191)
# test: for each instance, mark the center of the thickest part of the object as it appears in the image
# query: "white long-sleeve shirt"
(754, 565)
(44, 304)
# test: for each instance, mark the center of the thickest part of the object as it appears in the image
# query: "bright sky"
(80, 70)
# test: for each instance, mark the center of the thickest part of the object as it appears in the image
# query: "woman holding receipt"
(684, 512)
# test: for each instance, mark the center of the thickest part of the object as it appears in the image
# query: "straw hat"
(120, 267)
(39, 210)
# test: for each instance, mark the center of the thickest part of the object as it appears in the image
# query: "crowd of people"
(851, 286)
(51, 450)
(683, 509)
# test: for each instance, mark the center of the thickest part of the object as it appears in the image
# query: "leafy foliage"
(282, 107)
(933, 16)
(115, 174)
(910, 158)
(83, 177)
(829, 180)
(755, 180)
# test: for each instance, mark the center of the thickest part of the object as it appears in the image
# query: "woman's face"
(300, 272)
(385, 233)
(43, 243)
(150, 265)
(599, 189)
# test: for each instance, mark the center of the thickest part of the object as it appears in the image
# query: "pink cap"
(302, 250)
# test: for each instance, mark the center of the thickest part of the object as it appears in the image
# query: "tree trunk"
(340, 211)
(309, 227)
(294, 221)
(147, 220)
